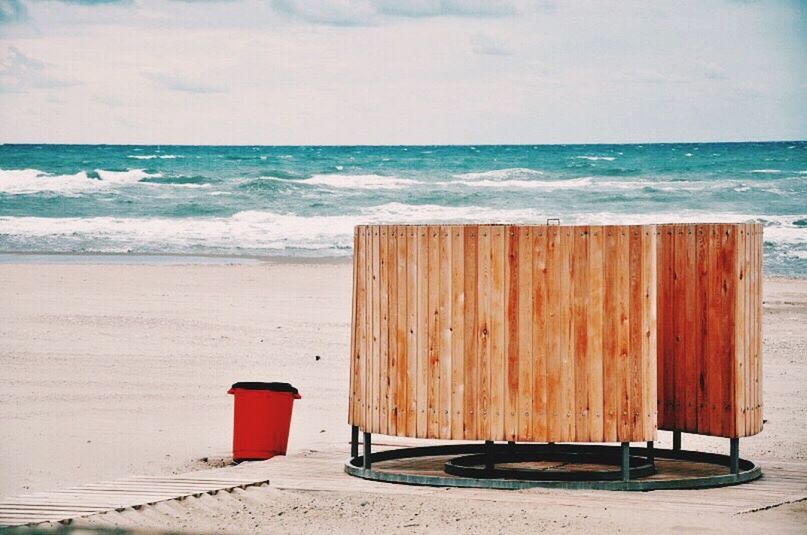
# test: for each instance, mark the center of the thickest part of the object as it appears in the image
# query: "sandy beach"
(115, 369)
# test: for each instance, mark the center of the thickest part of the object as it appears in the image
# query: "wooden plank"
(483, 346)
(497, 333)
(539, 335)
(594, 353)
(365, 329)
(433, 363)
(651, 332)
(581, 292)
(702, 398)
(525, 353)
(471, 329)
(375, 356)
(728, 286)
(740, 342)
(713, 334)
(666, 357)
(401, 335)
(554, 359)
(392, 337)
(636, 324)
(611, 322)
(457, 328)
(383, 339)
(423, 354)
(691, 343)
(757, 331)
(511, 331)
(566, 342)
(623, 382)
(412, 344)
(680, 312)
(444, 321)
(354, 343)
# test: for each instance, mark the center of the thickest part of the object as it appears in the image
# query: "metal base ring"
(748, 471)
(484, 465)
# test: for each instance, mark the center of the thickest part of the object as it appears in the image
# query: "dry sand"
(113, 370)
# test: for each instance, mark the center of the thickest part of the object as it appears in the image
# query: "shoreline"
(197, 259)
(26, 257)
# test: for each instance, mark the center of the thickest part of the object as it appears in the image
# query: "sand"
(115, 369)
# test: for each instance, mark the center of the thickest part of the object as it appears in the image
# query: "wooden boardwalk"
(132, 492)
(322, 471)
(781, 483)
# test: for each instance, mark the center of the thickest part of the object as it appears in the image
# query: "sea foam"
(28, 181)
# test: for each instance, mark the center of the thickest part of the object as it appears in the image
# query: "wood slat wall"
(499, 332)
(709, 328)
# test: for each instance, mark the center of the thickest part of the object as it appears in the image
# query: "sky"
(378, 72)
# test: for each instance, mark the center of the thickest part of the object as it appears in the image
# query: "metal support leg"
(734, 455)
(626, 461)
(651, 452)
(354, 441)
(677, 440)
(489, 450)
(367, 450)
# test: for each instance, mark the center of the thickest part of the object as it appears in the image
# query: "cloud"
(184, 84)
(11, 11)
(369, 12)
(95, 2)
(484, 44)
(329, 12)
(441, 8)
(20, 73)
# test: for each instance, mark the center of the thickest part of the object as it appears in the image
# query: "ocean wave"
(767, 171)
(573, 183)
(359, 181)
(596, 158)
(269, 232)
(154, 156)
(246, 231)
(515, 173)
(28, 181)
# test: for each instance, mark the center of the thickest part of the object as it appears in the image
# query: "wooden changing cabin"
(549, 333)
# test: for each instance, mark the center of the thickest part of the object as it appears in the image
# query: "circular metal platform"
(566, 466)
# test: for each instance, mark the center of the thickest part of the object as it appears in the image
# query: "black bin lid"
(274, 387)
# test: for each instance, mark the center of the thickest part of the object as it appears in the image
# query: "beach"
(116, 368)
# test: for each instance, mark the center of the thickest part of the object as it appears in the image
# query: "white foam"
(154, 156)
(767, 171)
(268, 231)
(596, 158)
(359, 181)
(574, 183)
(28, 181)
(516, 173)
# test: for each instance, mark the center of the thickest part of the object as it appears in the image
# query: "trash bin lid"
(274, 387)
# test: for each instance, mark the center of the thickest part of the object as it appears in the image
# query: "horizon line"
(392, 145)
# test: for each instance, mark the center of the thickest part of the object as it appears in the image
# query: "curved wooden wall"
(493, 332)
(709, 328)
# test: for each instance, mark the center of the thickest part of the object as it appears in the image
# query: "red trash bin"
(261, 420)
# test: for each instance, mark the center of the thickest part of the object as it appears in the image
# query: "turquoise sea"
(304, 201)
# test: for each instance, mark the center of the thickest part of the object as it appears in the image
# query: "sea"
(303, 201)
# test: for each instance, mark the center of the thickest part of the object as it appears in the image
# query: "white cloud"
(482, 43)
(184, 84)
(20, 73)
(370, 12)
